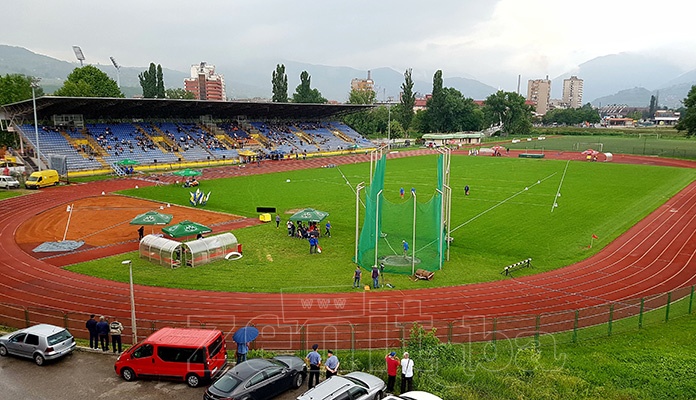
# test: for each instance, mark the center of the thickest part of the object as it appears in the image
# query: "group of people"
(314, 360)
(332, 365)
(308, 230)
(99, 332)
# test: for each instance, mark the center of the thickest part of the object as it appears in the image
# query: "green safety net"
(387, 224)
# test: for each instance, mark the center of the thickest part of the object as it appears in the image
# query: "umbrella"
(128, 161)
(309, 215)
(186, 228)
(187, 172)
(152, 218)
(245, 334)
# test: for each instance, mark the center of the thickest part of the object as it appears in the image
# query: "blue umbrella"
(245, 334)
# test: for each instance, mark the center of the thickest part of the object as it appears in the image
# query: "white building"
(572, 92)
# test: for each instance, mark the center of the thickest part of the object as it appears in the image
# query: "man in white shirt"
(406, 373)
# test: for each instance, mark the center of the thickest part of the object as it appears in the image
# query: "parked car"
(259, 379)
(8, 182)
(352, 386)
(414, 395)
(191, 355)
(41, 179)
(39, 342)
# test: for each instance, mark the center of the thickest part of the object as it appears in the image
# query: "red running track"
(655, 256)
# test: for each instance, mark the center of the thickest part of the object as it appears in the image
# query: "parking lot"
(88, 375)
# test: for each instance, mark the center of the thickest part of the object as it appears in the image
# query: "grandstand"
(153, 132)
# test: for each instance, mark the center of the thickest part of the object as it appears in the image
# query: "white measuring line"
(558, 192)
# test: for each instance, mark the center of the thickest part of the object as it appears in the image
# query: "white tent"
(205, 250)
(161, 250)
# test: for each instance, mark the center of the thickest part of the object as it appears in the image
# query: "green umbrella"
(152, 218)
(128, 161)
(187, 172)
(309, 215)
(186, 228)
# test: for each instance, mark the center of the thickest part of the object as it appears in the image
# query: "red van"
(193, 355)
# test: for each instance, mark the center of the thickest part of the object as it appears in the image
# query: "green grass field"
(507, 217)
(638, 143)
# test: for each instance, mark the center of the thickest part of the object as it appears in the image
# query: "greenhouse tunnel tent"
(161, 250)
(205, 250)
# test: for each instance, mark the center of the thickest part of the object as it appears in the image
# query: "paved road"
(85, 375)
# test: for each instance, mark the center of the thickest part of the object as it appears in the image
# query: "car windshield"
(32, 179)
(357, 381)
(227, 383)
(278, 363)
(58, 337)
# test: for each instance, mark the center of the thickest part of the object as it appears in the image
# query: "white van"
(8, 182)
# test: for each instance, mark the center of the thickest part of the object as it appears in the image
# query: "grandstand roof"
(114, 108)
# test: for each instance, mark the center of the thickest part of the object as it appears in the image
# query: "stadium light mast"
(34, 85)
(118, 71)
(79, 54)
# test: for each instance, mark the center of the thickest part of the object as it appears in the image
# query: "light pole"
(389, 128)
(34, 85)
(132, 300)
(118, 71)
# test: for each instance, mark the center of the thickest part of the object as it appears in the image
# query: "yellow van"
(39, 179)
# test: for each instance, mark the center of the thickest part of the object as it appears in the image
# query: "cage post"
(413, 239)
(377, 232)
(358, 188)
(669, 300)
(640, 313)
(611, 316)
(575, 326)
(691, 299)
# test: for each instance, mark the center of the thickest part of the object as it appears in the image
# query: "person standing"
(115, 329)
(332, 364)
(375, 277)
(328, 229)
(314, 359)
(313, 243)
(291, 228)
(392, 365)
(356, 277)
(103, 332)
(466, 190)
(141, 232)
(277, 219)
(405, 246)
(242, 350)
(91, 326)
(406, 374)
(401, 192)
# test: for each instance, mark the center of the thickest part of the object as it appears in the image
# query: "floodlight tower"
(118, 71)
(78, 53)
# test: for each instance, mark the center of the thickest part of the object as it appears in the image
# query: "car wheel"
(127, 374)
(297, 382)
(39, 360)
(3, 351)
(193, 380)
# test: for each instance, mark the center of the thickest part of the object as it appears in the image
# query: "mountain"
(636, 97)
(246, 79)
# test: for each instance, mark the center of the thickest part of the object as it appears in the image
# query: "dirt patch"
(104, 220)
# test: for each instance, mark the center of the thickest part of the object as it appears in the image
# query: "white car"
(353, 386)
(414, 395)
(8, 182)
(39, 342)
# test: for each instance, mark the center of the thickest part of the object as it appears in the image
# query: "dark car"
(259, 378)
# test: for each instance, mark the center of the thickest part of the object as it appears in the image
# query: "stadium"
(643, 268)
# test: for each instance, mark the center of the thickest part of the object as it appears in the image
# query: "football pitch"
(547, 210)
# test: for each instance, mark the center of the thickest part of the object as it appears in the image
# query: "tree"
(687, 122)
(436, 105)
(179, 93)
(160, 83)
(304, 93)
(653, 106)
(408, 100)
(509, 109)
(280, 84)
(89, 81)
(148, 81)
(16, 87)
(361, 96)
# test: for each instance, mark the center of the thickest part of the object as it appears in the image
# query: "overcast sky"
(490, 40)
